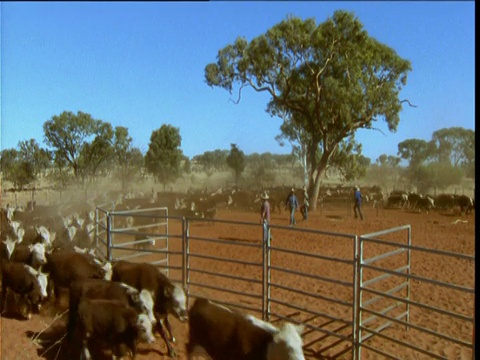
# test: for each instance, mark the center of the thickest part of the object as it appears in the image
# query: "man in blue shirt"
(292, 204)
(357, 207)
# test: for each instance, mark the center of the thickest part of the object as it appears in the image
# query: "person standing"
(292, 204)
(265, 213)
(357, 207)
(306, 203)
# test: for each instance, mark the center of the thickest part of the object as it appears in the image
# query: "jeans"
(358, 208)
(266, 230)
(305, 212)
(292, 216)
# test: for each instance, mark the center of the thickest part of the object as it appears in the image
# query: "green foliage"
(16, 169)
(385, 172)
(69, 135)
(164, 155)
(457, 146)
(326, 81)
(236, 161)
(442, 161)
(187, 166)
(128, 159)
(212, 160)
(436, 175)
(349, 161)
(31, 152)
(415, 151)
(262, 169)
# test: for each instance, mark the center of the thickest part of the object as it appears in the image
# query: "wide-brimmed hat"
(264, 196)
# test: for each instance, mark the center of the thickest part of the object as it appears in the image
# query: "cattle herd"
(47, 251)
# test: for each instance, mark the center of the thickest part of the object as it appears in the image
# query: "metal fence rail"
(409, 319)
(369, 306)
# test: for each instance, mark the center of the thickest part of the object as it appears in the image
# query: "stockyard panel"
(426, 301)
(311, 281)
(213, 259)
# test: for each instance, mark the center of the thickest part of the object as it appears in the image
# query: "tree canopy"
(69, 135)
(236, 161)
(327, 80)
(164, 154)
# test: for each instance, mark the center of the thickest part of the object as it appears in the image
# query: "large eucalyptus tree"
(329, 80)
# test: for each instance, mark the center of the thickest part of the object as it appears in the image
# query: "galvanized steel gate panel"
(343, 315)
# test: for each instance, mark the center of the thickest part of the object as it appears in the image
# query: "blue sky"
(141, 65)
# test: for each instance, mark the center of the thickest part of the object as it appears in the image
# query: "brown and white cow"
(225, 334)
(168, 297)
(112, 324)
(142, 301)
(66, 266)
(33, 254)
(25, 281)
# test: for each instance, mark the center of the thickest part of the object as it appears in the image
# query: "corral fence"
(355, 295)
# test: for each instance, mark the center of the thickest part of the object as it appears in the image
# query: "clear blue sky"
(141, 65)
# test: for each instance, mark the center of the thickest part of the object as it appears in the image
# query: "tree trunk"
(316, 186)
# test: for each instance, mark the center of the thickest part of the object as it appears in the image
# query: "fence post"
(109, 237)
(264, 269)
(356, 299)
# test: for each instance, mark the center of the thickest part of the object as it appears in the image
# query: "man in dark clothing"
(357, 207)
(292, 204)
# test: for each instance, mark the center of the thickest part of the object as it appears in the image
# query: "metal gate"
(140, 234)
(345, 315)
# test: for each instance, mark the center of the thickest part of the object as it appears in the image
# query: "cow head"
(43, 235)
(177, 302)
(108, 271)
(10, 246)
(38, 255)
(287, 343)
(142, 301)
(144, 329)
(39, 292)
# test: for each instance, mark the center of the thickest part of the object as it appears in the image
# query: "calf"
(425, 204)
(33, 255)
(168, 298)
(66, 266)
(225, 334)
(142, 301)
(25, 281)
(114, 324)
(465, 203)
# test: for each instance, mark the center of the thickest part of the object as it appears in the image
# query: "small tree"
(15, 169)
(128, 159)
(164, 155)
(236, 161)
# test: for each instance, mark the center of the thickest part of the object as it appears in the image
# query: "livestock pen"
(359, 296)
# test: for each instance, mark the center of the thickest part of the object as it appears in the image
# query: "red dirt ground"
(433, 230)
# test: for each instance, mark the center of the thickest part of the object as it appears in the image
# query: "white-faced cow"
(224, 334)
(112, 324)
(66, 266)
(33, 255)
(168, 298)
(25, 281)
(142, 301)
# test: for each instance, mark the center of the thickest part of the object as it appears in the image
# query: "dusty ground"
(438, 231)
